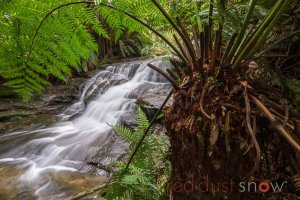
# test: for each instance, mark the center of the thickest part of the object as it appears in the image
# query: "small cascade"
(83, 134)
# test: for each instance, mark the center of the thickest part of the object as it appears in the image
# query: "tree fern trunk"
(210, 158)
(193, 159)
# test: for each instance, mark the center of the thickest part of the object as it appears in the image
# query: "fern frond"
(139, 181)
(62, 44)
(141, 119)
(125, 133)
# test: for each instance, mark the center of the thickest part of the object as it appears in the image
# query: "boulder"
(151, 100)
(13, 115)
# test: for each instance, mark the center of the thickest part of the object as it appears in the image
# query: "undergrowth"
(148, 173)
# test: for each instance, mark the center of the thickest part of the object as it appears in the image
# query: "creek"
(50, 163)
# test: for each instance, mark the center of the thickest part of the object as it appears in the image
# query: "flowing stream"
(31, 161)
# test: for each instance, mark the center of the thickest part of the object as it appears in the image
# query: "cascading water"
(83, 133)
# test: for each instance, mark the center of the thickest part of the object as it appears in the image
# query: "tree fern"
(64, 40)
(62, 44)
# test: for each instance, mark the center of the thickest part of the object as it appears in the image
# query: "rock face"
(63, 185)
(152, 99)
(17, 115)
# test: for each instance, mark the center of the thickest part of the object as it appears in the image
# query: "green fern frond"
(140, 180)
(62, 44)
(142, 120)
(125, 133)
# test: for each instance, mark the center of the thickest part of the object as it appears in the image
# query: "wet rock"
(72, 183)
(60, 185)
(17, 115)
(14, 115)
(63, 94)
(9, 177)
(152, 99)
(7, 104)
(64, 98)
(5, 107)
(128, 120)
(66, 95)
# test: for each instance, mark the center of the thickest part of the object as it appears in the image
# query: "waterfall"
(84, 132)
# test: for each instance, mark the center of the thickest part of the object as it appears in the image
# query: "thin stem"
(258, 33)
(202, 48)
(262, 38)
(206, 44)
(219, 41)
(202, 100)
(172, 74)
(210, 24)
(243, 29)
(278, 41)
(196, 41)
(215, 52)
(186, 35)
(227, 50)
(176, 66)
(199, 23)
(190, 48)
(147, 130)
(251, 132)
(168, 17)
(184, 53)
(174, 83)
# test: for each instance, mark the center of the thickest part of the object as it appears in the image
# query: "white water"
(83, 134)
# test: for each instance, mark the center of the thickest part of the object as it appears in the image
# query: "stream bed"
(50, 162)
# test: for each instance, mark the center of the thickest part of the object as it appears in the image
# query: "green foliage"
(155, 47)
(147, 175)
(144, 10)
(63, 43)
(118, 21)
(130, 44)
